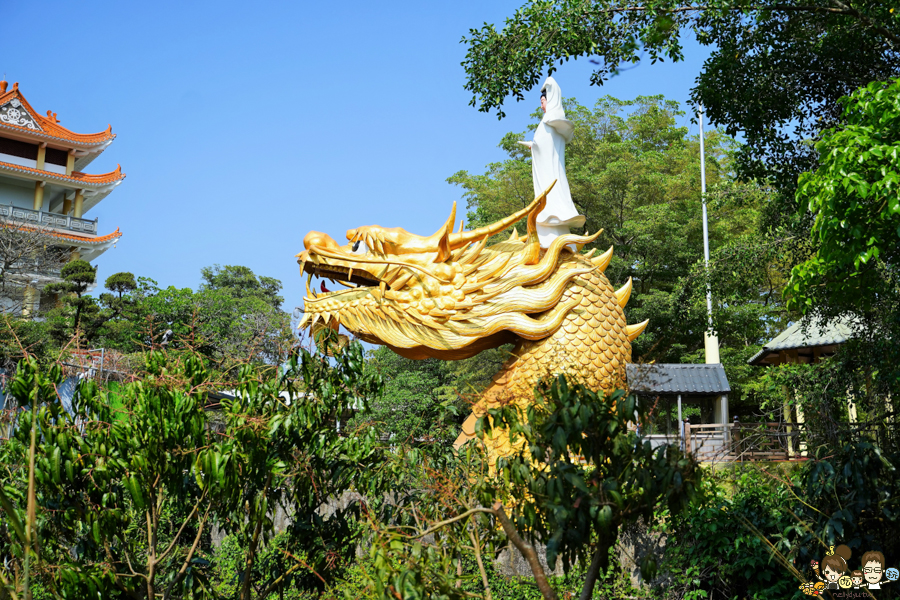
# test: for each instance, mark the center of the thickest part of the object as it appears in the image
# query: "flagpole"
(710, 339)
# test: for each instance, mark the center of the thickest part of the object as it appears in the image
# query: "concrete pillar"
(31, 299)
(70, 162)
(788, 426)
(801, 419)
(711, 345)
(38, 195)
(67, 206)
(75, 255)
(42, 155)
(79, 204)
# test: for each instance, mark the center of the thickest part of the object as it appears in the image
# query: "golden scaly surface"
(591, 346)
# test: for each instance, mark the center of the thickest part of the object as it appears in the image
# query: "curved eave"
(87, 241)
(93, 141)
(51, 130)
(75, 180)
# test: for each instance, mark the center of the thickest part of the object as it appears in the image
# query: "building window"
(56, 157)
(17, 148)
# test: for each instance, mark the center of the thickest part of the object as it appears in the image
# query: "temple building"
(45, 196)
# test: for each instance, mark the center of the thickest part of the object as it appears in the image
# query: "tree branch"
(187, 559)
(437, 526)
(855, 13)
(527, 551)
(476, 546)
(194, 511)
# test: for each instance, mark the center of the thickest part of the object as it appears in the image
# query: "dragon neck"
(590, 347)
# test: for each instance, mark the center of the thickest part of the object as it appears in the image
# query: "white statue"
(548, 164)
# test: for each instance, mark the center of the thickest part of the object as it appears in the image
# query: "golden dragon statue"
(450, 296)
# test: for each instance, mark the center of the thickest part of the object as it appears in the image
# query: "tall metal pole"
(710, 340)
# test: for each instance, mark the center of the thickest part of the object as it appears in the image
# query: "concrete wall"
(22, 197)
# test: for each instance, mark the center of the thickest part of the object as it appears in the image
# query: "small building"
(689, 405)
(45, 196)
(804, 345)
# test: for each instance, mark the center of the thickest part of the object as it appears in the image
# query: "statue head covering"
(554, 100)
(555, 115)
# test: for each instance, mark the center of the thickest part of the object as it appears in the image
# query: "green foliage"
(576, 474)
(425, 400)
(77, 276)
(233, 318)
(121, 283)
(129, 485)
(851, 497)
(854, 197)
(633, 173)
(283, 448)
(711, 553)
(242, 283)
(775, 72)
(579, 472)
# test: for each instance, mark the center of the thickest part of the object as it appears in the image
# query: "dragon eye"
(356, 246)
(359, 247)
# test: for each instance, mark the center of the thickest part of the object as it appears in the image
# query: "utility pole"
(710, 339)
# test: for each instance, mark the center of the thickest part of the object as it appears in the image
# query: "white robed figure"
(548, 164)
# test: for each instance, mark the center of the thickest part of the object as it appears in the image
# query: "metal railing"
(48, 219)
(737, 442)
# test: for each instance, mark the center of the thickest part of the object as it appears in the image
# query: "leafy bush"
(712, 553)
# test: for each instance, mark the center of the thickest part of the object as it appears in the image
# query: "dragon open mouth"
(342, 275)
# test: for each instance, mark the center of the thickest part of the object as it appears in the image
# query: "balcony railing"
(47, 219)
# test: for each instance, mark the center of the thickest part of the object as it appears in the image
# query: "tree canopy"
(775, 74)
(633, 170)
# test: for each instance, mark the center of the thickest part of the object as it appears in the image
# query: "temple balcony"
(40, 218)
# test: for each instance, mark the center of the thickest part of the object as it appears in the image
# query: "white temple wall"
(20, 196)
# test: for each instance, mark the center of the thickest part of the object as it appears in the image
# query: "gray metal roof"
(677, 379)
(794, 337)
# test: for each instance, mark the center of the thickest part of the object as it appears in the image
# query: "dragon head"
(447, 295)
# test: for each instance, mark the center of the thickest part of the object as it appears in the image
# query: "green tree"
(426, 400)
(284, 447)
(855, 197)
(233, 317)
(77, 276)
(634, 172)
(577, 473)
(126, 487)
(241, 282)
(775, 73)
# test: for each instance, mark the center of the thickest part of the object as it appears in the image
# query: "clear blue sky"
(241, 126)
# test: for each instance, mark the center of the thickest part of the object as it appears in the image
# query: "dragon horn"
(624, 293)
(632, 331)
(457, 240)
(533, 244)
(443, 236)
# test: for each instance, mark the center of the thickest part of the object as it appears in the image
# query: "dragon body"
(450, 296)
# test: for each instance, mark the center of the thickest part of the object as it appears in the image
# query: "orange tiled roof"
(75, 177)
(90, 240)
(49, 126)
(73, 236)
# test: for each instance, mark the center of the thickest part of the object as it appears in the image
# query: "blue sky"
(241, 126)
